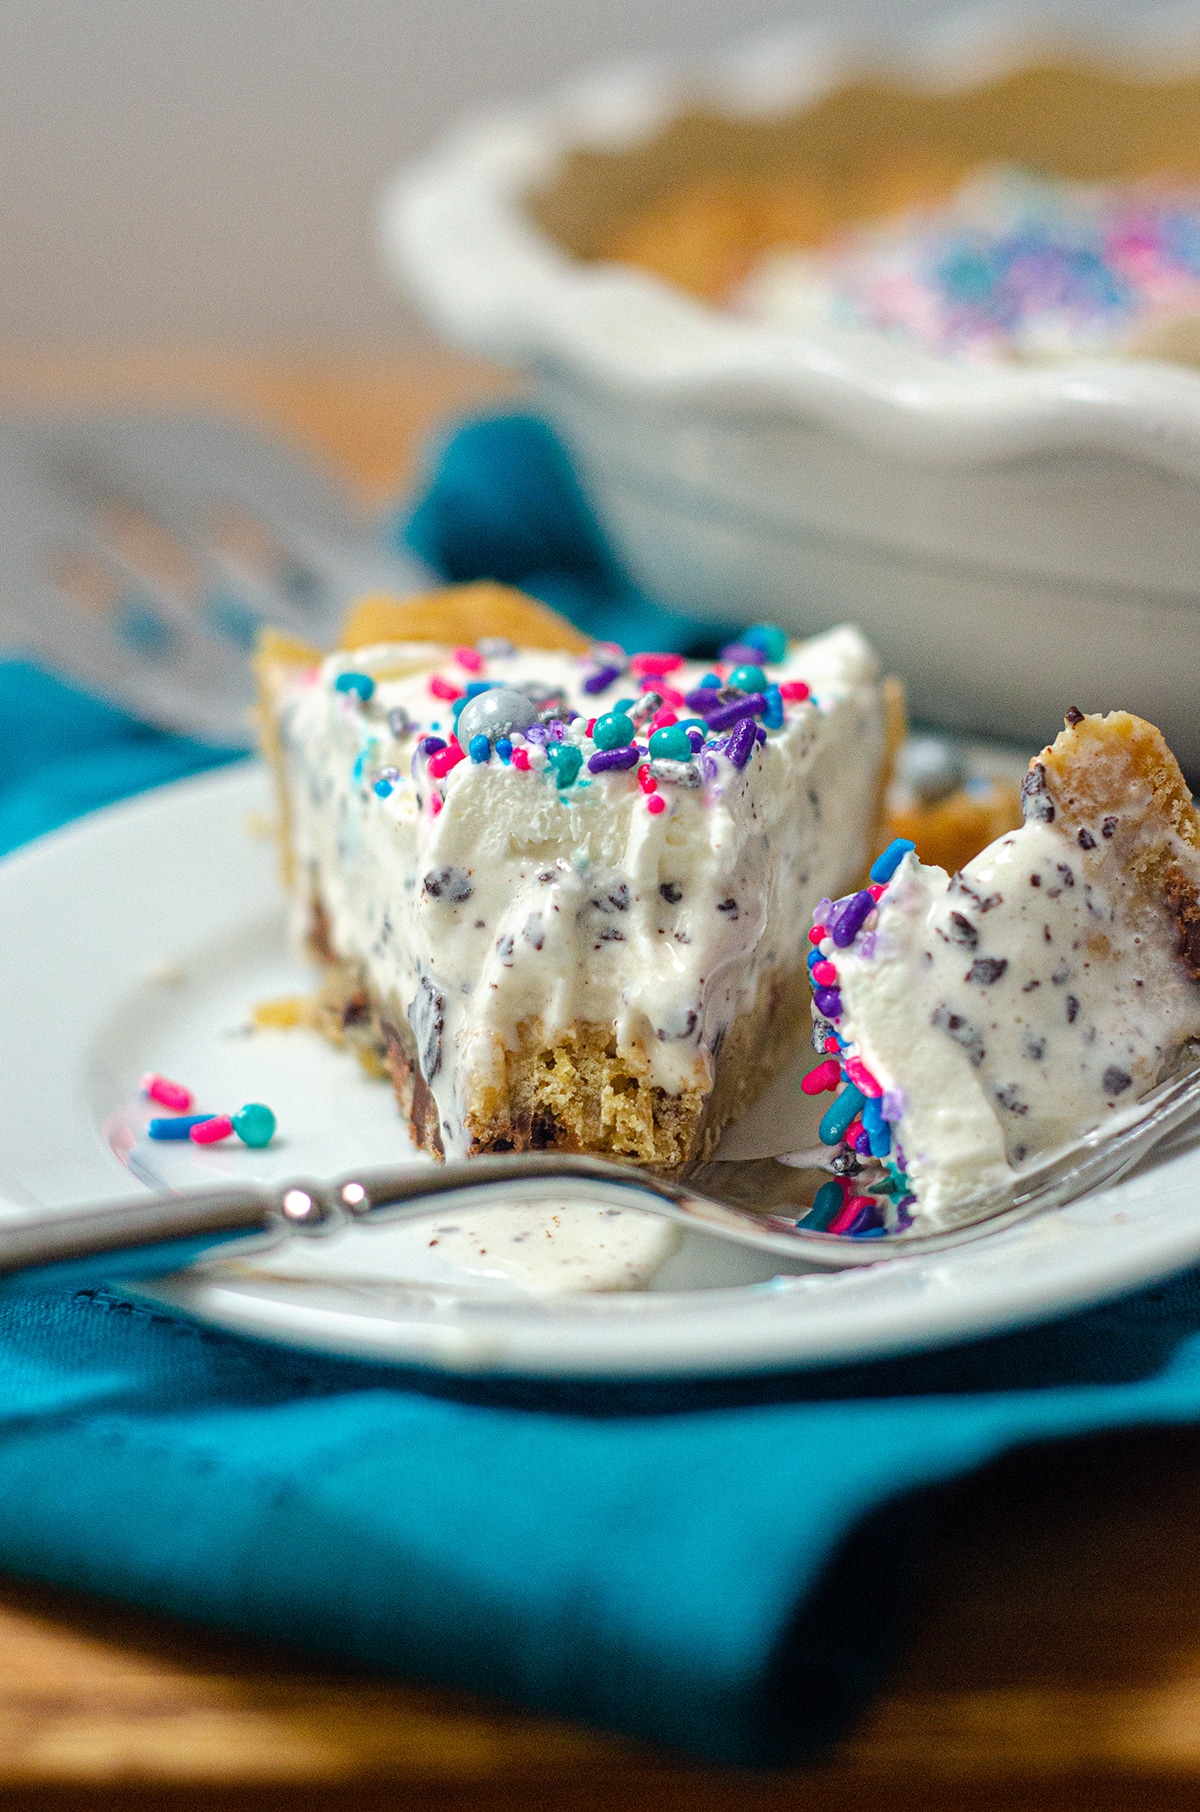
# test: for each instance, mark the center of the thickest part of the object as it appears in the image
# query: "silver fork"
(755, 1202)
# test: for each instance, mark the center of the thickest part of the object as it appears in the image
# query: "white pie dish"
(184, 932)
(1012, 539)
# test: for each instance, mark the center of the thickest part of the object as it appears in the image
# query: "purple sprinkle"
(862, 1143)
(866, 948)
(899, 1156)
(821, 912)
(741, 744)
(846, 919)
(696, 738)
(828, 1003)
(708, 767)
(429, 745)
(537, 733)
(866, 1220)
(604, 759)
(725, 716)
(703, 700)
(760, 734)
(558, 730)
(903, 1218)
(601, 680)
(891, 1106)
(740, 654)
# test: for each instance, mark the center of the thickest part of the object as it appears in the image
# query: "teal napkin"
(722, 1566)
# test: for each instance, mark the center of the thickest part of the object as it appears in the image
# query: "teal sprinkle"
(383, 789)
(671, 743)
(827, 1204)
(748, 679)
(772, 717)
(566, 761)
(711, 682)
(838, 1117)
(613, 731)
(769, 639)
(359, 683)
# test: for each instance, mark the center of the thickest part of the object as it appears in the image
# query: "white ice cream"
(1010, 1008)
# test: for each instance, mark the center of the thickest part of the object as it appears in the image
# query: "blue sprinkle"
(359, 683)
(827, 1204)
(814, 957)
(479, 749)
(383, 789)
(476, 686)
(773, 715)
(838, 1117)
(504, 750)
(885, 866)
(177, 1127)
(879, 1133)
(711, 681)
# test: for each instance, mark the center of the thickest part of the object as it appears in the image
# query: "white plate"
(140, 938)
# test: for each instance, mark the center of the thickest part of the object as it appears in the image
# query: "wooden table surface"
(1054, 1659)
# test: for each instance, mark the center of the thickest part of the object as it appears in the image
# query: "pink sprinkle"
(445, 759)
(656, 804)
(823, 1079)
(664, 718)
(858, 1073)
(655, 665)
(210, 1131)
(521, 760)
(850, 1208)
(470, 658)
(671, 698)
(646, 780)
(817, 933)
(877, 889)
(168, 1093)
(825, 975)
(852, 1131)
(832, 1046)
(793, 690)
(435, 805)
(444, 688)
(591, 725)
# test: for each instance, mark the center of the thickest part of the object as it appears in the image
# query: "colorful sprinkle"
(480, 750)
(741, 744)
(828, 1003)
(445, 759)
(212, 1131)
(817, 934)
(748, 678)
(655, 665)
(793, 692)
(824, 973)
(838, 1117)
(769, 639)
(613, 731)
(605, 760)
(773, 712)
(165, 1092)
(444, 688)
(826, 1204)
(846, 919)
(178, 1127)
(646, 780)
(430, 745)
(383, 789)
(360, 684)
(671, 743)
(601, 680)
(656, 804)
(858, 1073)
(504, 749)
(823, 1080)
(884, 866)
(737, 711)
(254, 1125)
(520, 760)
(470, 659)
(565, 760)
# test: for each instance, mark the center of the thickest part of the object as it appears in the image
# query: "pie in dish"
(563, 893)
(970, 1023)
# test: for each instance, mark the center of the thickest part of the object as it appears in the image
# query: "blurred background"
(192, 175)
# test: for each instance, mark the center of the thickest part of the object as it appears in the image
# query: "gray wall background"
(202, 172)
